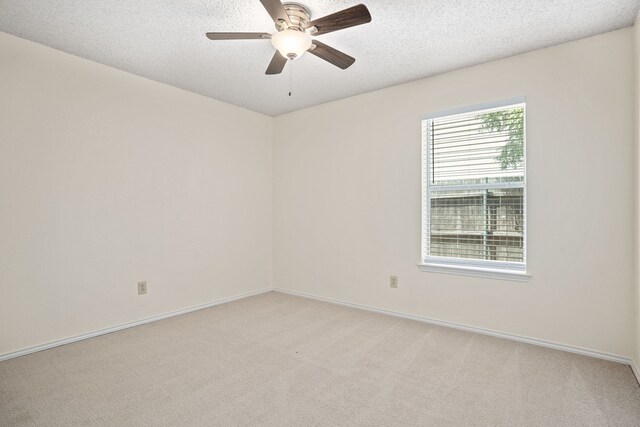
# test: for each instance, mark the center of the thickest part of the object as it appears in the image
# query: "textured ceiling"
(164, 40)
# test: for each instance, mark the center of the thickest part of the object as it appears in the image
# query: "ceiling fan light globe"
(291, 43)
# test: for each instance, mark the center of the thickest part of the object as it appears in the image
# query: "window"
(474, 205)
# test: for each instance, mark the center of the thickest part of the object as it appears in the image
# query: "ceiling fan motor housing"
(299, 16)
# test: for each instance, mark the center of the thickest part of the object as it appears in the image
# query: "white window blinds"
(474, 197)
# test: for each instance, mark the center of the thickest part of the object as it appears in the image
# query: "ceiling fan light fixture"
(295, 29)
(291, 43)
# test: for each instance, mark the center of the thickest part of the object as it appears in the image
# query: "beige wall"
(347, 198)
(107, 179)
(636, 57)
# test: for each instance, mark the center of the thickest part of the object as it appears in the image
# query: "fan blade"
(238, 36)
(329, 54)
(276, 10)
(346, 18)
(277, 64)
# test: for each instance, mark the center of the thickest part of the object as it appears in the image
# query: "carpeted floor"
(281, 360)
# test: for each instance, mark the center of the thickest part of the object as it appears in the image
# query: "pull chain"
(290, 77)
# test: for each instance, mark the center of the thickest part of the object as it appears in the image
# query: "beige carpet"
(280, 360)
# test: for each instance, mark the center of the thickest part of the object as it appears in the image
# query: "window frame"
(468, 266)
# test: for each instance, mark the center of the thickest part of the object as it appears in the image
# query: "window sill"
(512, 275)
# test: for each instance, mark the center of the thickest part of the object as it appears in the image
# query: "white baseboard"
(483, 331)
(636, 370)
(122, 326)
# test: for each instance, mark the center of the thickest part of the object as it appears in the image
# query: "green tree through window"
(512, 122)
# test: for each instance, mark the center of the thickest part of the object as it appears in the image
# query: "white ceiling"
(164, 40)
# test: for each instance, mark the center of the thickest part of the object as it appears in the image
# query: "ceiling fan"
(294, 30)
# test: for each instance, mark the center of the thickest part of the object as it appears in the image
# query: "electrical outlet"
(393, 281)
(142, 288)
